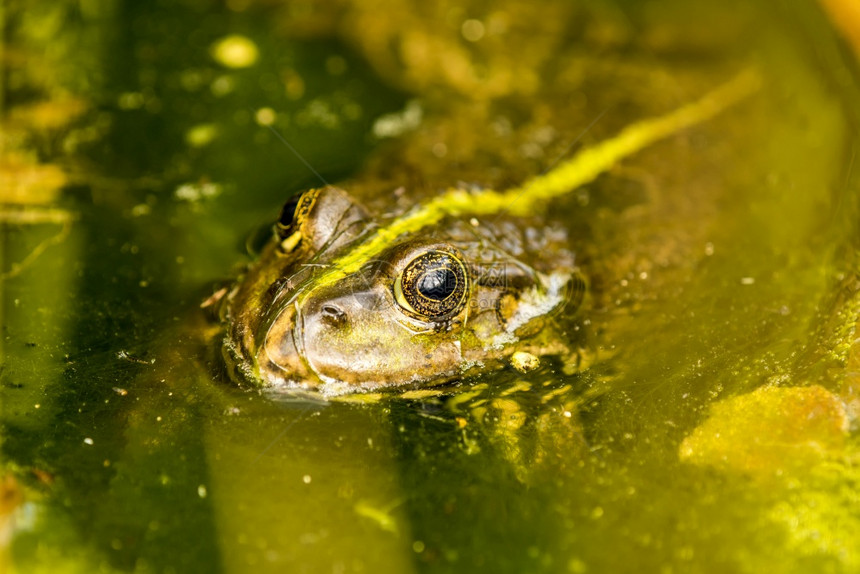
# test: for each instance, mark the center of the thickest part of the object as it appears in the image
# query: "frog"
(456, 298)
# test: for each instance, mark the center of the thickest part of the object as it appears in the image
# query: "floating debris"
(265, 116)
(124, 355)
(381, 516)
(235, 51)
(193, 192)
(524, 362)
(201, 135)
(396, 124)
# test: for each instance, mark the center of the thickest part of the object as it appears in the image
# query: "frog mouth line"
(287, 357)
(297, 336)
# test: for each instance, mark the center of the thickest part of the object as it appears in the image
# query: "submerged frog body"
(446, 300)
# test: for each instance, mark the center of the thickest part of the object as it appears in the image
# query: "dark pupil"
(437, 284)
(289, 211)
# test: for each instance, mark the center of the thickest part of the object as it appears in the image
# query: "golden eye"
(432, 287)
(293, 214)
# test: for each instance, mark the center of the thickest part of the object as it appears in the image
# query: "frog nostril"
(333, 315)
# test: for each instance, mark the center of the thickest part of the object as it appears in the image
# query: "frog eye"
(432, 287)
(293, 214)
(288, 212)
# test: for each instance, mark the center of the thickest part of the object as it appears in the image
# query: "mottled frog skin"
(451, 299)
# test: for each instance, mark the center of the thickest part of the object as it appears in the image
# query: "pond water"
(709, 427)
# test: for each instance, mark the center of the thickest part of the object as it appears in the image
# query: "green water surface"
(721, 261)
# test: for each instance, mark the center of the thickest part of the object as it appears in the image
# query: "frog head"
(449, 299)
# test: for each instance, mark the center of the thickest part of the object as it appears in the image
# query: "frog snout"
(336, 313)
